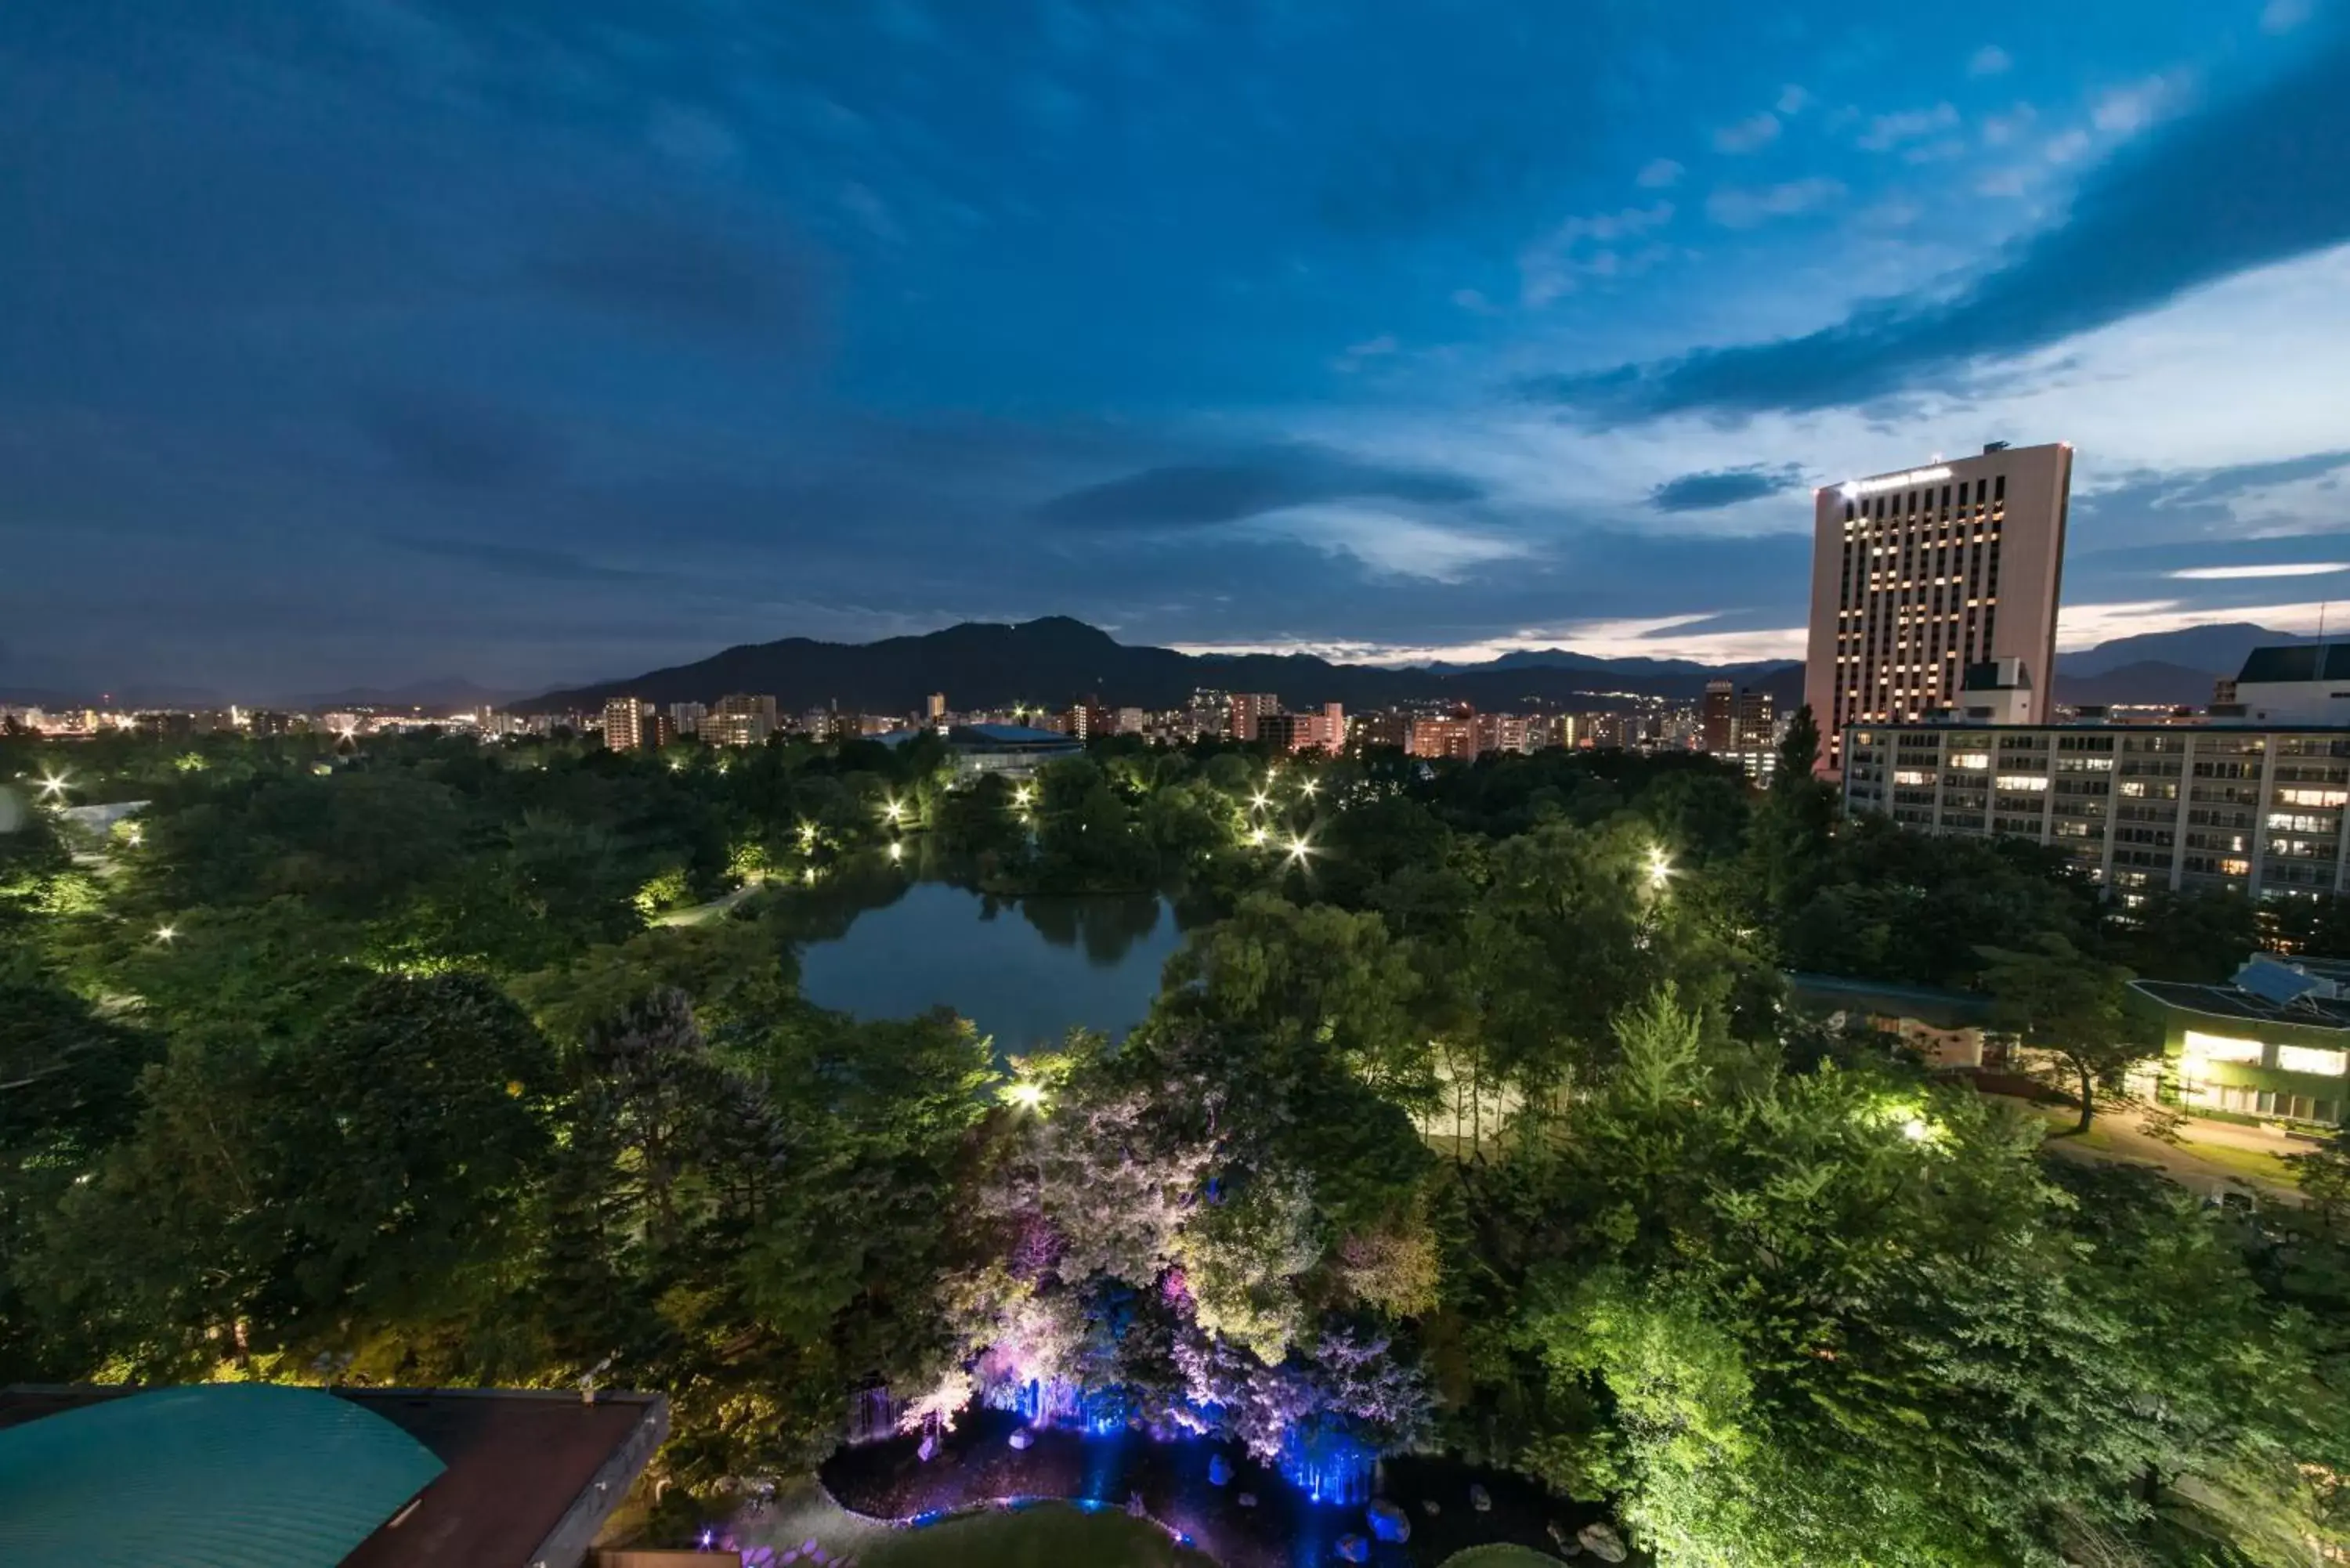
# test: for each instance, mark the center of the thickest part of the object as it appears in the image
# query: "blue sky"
(534, 340)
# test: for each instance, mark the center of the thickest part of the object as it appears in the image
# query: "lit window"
(2310, 1059)
(2203, 1047)
(2022, 781)
(1976, 761)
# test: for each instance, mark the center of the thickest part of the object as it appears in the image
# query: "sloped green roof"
(222, 1474)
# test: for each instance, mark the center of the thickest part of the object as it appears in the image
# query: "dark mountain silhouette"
(1057, 660)
(2218, 650)
(445, 694)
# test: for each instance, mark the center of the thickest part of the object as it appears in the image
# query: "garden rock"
(1388, 1522)
(1602, 1541)
(1022, 1437)
(1353, 1549)
(1246, 1499)
(1220, 1469)
(930, 1449)
(1480, 1498)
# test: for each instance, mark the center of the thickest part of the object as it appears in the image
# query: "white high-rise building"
(1920, 575)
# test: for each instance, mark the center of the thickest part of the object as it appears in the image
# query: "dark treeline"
(1476, 1121)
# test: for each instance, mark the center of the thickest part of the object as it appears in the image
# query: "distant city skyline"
(539, 342)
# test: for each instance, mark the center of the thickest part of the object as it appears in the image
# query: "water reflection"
(879, 944)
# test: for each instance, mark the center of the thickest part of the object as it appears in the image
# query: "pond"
(1024, 971)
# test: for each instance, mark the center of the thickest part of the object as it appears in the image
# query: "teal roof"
(221, 1475)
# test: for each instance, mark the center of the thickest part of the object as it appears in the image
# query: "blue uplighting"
(1327, 1465)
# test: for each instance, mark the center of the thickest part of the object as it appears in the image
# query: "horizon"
(526, 341)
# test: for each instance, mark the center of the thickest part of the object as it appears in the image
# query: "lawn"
(1047, 1536)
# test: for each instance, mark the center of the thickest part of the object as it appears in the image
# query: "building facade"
(625, 723)
(2253, 810)
(740, 720)
(2274, 1046)
(1920, 574)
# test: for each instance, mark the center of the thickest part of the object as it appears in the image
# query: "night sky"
(371, 340)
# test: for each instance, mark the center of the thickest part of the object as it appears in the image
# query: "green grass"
(1047, 1536)
(2247, 1162)
(1504, 1556)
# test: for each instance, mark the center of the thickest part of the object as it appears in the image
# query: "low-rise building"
(2258, 810)
(2272, 1046)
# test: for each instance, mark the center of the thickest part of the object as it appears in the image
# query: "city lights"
(53, 786)
(1660, 868)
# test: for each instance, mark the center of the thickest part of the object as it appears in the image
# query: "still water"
(1024, 971)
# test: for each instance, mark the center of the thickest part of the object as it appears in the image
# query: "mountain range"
(1057, 660)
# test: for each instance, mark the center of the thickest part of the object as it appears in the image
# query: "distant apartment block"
(1324, 731)
(1244, 710)
(1918, 576)
(626, 726)
(740, 720)
(2254, 810)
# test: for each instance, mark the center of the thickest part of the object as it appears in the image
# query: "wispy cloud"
(1886, 132)
(1736, 207)
(1658, 173)
(1756, 130)
(1991, 60)
(2256, 181)
(1586, 246)
(2280, 569)
(1717, 488)
(2284, 15)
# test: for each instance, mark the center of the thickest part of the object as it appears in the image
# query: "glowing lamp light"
(1309, 787)
(1916, 1130)
(1022, 796)
(1024, 1094)
(1260, 800)
(893, 811)
(808, 836)
(53, 786)
(1299, 849)
(896, 852)
(167, 934)
(1660, 868)
(1256, 836)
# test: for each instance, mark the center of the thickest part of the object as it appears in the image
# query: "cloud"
(1583, 247)
(2281, 569)
(446, 441)
(1991, 60)
(2284, 15)
(1723, 487)
(675, 273)
(1886, 132)
(518, 560)
(1658, 173)
(1187, 495)
(1734, 207)
(2001, 130)
(2252, 182)
(2127, 110)
(1792, 100)
(1756, 130)
(1378, 347)
(1388, 544)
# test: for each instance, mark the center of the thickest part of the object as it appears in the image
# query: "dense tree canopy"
(1474, 1118)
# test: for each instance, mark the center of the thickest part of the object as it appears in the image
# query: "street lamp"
(53, 786)
(167, 934)
(1309, 787)
(1660, 868)
(1298, 850)
(896, 851)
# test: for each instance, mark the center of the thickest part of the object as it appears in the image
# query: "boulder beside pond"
(1022, 1437)
(1480, 1498)
(1220, 1469)
(1388, 1522)
(1353, 1549)
(1602, 1541)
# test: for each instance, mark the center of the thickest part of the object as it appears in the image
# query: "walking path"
(2211, 1157)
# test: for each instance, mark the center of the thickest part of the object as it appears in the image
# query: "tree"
(2062, 1000)
(401, 1155)
(1787, 854)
